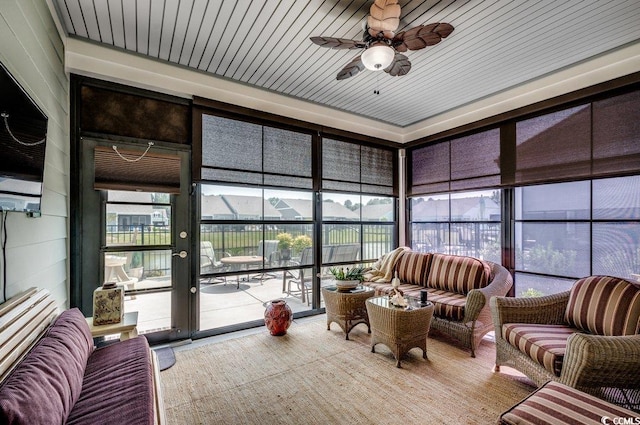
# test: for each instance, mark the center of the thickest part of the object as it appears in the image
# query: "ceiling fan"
(383, 48)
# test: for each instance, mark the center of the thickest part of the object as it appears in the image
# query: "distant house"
(478, 208)
(139, 213)
(376, 212)
(336, 211)
(213, 207)
(250, 207)
(295, 209)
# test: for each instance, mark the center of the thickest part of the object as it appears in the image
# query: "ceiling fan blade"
(399, 67)
(384, 17)
(422, 36)
(351, 69)
(337, 43)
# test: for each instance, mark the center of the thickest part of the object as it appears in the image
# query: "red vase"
(278, 317)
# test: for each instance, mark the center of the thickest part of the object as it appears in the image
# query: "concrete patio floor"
(220, 304)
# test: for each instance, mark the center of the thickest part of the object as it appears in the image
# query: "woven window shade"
(153, 173)
(554, 146)
(242, 152)
(616, 135)
(350, 167)
(430, 169)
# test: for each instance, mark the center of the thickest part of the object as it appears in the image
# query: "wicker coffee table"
(398, 328)
(346, 308)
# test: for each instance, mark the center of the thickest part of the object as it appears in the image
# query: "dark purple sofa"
(64, 380)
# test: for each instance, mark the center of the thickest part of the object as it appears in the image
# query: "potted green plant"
(284, 245)
(136, 268)
(347, 278)
(299, 243)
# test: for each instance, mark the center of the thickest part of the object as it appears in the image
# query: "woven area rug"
(315, 376)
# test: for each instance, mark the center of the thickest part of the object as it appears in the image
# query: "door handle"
(181, 254)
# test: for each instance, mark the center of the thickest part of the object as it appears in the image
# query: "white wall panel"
(33, 51)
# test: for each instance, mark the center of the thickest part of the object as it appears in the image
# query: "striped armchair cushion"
(555, 403)
(413, 267)
(604, 305)
(447, 305)
(458, 274)
(545, 344)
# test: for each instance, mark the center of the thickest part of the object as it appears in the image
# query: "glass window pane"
(480, 240)
(340, 243)
(476, 206)
(537, 286)
(616, 249)
(377, 240)
(377, 209)
(139, 270)
(291, 205)
(430, 208)
(429, 237)
(341, 207)
(151, 319)
(561, 201)
(225, 240)
(143, 220)
(553, 248)
(617, 198)
(235, 203)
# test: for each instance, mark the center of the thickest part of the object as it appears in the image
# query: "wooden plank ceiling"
(496, 45)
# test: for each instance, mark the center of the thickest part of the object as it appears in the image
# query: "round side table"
(347, 308)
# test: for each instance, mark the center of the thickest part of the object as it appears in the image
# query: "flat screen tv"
(23, 134)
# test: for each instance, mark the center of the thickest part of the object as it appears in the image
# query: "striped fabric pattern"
(447, 305)
(458, 274)
(545, 344)
(413, 267)
(604, 305)
(558, 404)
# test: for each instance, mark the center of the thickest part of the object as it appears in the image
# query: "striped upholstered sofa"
(586, 338)
(459, 287)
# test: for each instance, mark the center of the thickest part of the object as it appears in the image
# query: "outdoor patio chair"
(269, 250)
(303, 276)
(209, 264)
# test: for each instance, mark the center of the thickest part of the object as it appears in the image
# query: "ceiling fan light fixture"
(377, 57)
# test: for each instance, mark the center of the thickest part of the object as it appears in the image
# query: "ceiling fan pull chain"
(376, 91)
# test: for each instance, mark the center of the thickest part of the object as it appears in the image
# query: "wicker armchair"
(593, 344)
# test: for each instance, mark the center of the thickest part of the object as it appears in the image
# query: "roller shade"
(155, 172)
(236, 151)
(350, 167)
(464, 163)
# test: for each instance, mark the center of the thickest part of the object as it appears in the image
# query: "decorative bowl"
(346, 285)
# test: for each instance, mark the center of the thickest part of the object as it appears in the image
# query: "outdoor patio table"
(238, 261)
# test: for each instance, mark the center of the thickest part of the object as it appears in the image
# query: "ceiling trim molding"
(616, 64)
(115, 65)
(106, 63)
